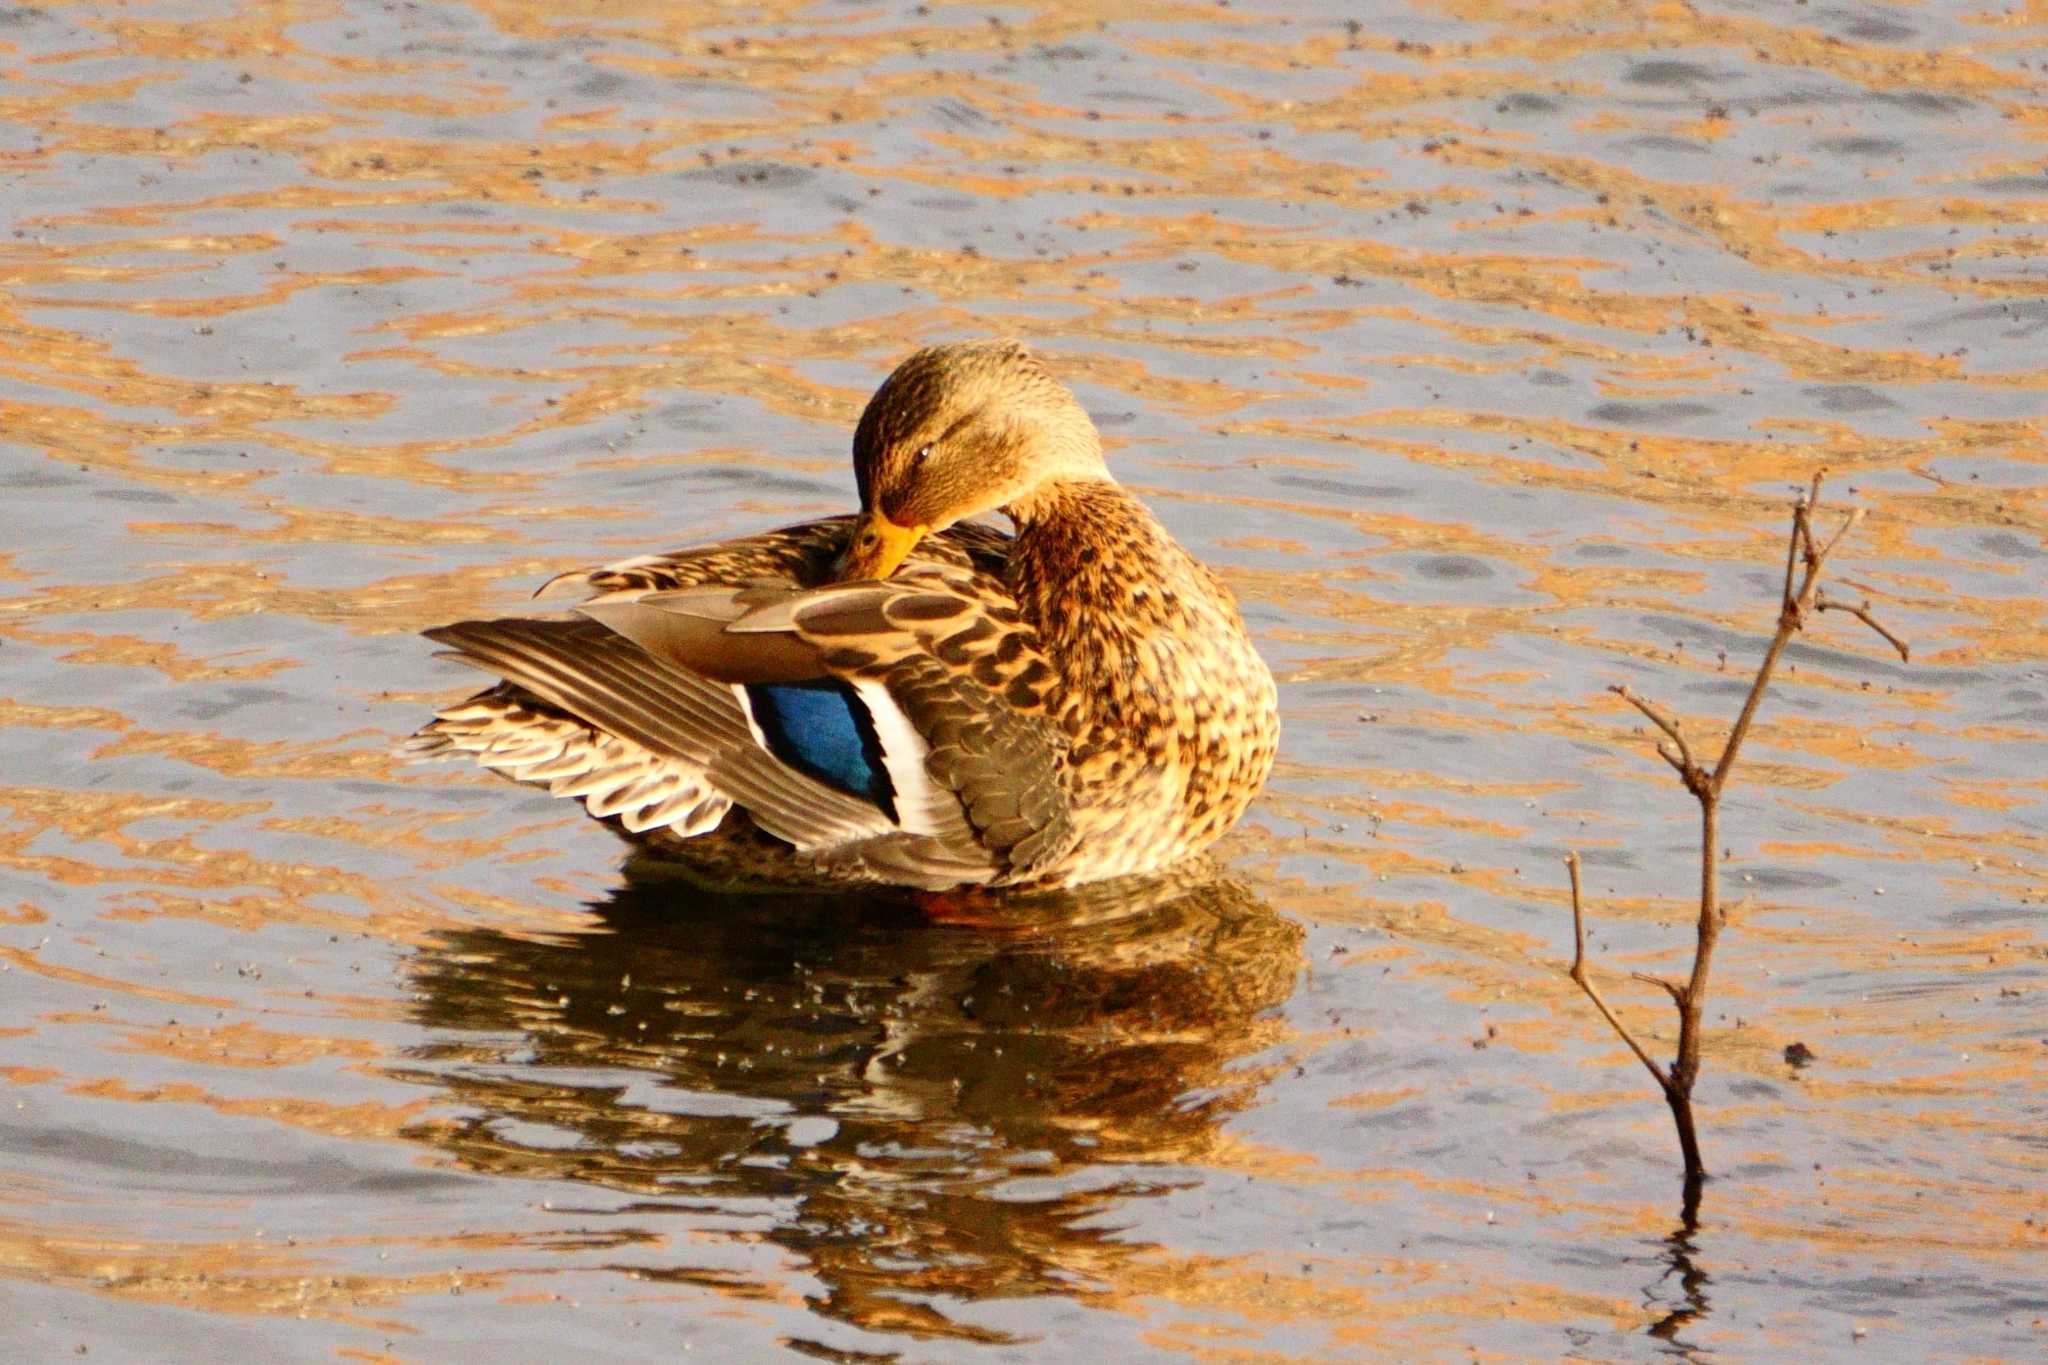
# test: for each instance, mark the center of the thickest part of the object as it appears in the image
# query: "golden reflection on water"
(931, 1109)
(323, 323)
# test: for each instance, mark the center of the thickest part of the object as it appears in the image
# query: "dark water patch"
(1921, 101)
(1442, 739)
(1870, 28)
(1591, 1256)
(603, 85)
(1760, 1170)
(2028, 316)
(685, 416)
(1848, 398)
(1861, 145)
(1787, 191)
(1341, 488)
(1730, 688)
(1920, 988)
(1989, 916)
(1614, 856)
(2006, 545)
(1750, 1088)
(1649, 415)
(958, 113)
(28, 479)
(1669, 74)
(1788, 878)
(1874, 666)
(561, 44)
(1665, 144)
(1407, 1116)
(752, 175)
(1453, 568)
(233, 699)
(1925, 1288)
(2015, 184)
(1527, 102)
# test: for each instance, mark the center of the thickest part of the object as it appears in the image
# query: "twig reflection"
(1680, 1248)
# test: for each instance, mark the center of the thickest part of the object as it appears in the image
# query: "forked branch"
(1805, 559)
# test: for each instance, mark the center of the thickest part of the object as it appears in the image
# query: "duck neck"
(1061, 503)
(1093, 572)
(1077, 541)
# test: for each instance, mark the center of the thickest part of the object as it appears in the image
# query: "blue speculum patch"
(822, 730)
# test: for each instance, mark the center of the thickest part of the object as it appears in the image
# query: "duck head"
(958, 430)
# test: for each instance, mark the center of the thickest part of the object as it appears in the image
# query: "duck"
(907, 696)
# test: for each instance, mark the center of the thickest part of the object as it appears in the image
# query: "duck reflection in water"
(929, 1109)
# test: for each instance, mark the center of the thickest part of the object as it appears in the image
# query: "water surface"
(1480, 346)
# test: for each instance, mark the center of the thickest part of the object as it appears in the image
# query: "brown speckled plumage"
(1079, 701)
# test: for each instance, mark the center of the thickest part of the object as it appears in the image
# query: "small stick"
(1669, 987)
(1800, 595)
(1571, 863)
(1862, 613)
(1855, 516)
(1791, 619)
(1683, 760)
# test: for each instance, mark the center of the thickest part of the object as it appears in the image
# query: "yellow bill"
(876, 547)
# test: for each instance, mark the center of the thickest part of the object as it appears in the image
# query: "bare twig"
(1682, 760)
(1800, 541)
(1665, 984)
(1862, 613)
(1791, 616)
(1571, 862)
(1805, 559)
(1855, 515)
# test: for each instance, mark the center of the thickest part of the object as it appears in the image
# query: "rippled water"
(1479, 345)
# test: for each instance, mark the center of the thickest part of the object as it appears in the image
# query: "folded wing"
(893, 730)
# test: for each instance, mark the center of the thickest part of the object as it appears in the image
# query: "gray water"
(1481, 347)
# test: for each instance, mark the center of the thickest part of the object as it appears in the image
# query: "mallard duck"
(902, 697)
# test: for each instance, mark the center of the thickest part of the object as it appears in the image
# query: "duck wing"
(886, 731)
(948, 689)
(799, 556)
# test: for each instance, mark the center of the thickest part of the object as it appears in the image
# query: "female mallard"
(898, 698)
